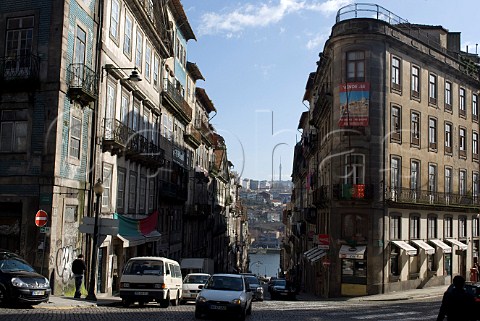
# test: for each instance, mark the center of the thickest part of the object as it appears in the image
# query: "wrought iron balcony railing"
(16, 69)
(116, 132)
(407, 195)
(82, 83)
(171, 92)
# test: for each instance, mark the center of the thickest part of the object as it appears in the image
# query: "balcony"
(19, 73)
(82, 84)
(353, 191)
(320, 196)
(193, 137)
(175, 99)
(121, 140)
(425, 197)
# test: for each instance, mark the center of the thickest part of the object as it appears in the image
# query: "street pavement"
(62, 302)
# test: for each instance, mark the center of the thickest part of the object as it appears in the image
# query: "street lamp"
(98, 190)
(258, 263)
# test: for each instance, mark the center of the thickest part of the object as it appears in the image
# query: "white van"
(149, 278)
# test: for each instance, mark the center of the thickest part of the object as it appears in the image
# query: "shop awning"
(352, 252)
(309, 252)
(424, 246)
(129, 241)
(405, 246)
(318, 256)
(461, 246)
(443, 246)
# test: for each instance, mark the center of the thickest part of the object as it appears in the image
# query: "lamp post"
(98, 190)
(257, 263)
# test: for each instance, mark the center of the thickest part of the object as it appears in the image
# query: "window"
(395, 124)
(355, 66)
(139, 51)
(155, 71)
(127, 37)
(355, 169)
(121, 189)
(396, 64)
(13, 130)
(414, 175)
(19, 40)
(475, 187)
(114, 19)
(448, 227)
(151, 194)
(462, 143)
(432, 89)
(448, 95)
(415, 227)
(462, 182)
(462, 226)
(395, 174)
(124, 110)
(415, 129)
(432, 227)
(475, 107)
(432, 179)
(167, 129)
(448, 181)
(142, 194)
(107, 184)
(448, 138)
(415, 90)
(461, 101)
(475, 145)
(354, 226)
(155, 129)
(148, 61)
(132, 192)
(75, 137)
(432, 133)
(475, 227)
(395, 222)
(80, 44)
(136, 116)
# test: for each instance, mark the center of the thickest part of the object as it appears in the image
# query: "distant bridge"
(261, 250)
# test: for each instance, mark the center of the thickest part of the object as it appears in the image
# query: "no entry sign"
(41, 218)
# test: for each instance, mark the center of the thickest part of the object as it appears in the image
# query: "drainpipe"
(383, 171)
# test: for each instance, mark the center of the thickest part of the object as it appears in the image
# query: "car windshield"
(226, 283)
(144, 267)
(252, 279)
(280, 283)
(197, 279)
(14, 264)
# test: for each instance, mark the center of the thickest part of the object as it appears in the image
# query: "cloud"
(317, 41)
(262, 15)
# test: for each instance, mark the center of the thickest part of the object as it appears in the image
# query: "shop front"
(354, 270)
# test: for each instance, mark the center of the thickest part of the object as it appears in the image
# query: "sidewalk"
(62, 302)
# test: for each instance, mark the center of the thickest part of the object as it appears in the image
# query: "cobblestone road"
(268, 310)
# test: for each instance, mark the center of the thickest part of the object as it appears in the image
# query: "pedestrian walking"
(457, 304)
(78, 268)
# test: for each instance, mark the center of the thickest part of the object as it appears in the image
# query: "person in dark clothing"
(457, 304)
(78, 268)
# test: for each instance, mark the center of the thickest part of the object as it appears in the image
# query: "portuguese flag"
(136, 227)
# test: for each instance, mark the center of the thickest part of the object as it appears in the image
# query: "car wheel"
(198, 315)
(242, 315)
(165, 303)
(182, 302)
(126, 303)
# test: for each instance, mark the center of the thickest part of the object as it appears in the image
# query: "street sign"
(323, 241)
(106, 226)
(45, 229)
(41, 218)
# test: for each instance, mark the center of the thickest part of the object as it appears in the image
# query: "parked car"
(190, 286)
(227, 294)
(19, 282)
(255, 285)
(280, 288)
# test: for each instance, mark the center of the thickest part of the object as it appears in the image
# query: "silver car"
(255, 286)
(224, 294)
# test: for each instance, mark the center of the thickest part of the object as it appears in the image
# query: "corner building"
(387, 172)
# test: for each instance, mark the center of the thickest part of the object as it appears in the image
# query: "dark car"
(473, 289)
(255, 285)
(224, 294)
(19, 283)
(280, 288)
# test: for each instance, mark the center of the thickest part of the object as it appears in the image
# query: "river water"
(265, 264)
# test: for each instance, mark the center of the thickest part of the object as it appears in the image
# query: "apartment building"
(386, 173)
(103, 92)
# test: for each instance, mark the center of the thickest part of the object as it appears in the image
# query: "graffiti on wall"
(63, 262)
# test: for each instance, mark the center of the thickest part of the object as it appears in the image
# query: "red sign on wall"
(323, 241)
(41, 218)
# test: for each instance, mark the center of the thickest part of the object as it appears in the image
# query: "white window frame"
(107, 173)
(354, 172)
(114, 19)
(17, 134)
(127, 36)
(75, 143)
(139, 51)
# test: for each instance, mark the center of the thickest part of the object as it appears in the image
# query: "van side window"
(178, 272)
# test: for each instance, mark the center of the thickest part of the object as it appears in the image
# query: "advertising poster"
(354, 104)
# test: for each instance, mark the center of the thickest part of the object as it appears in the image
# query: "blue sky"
(256, 56)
